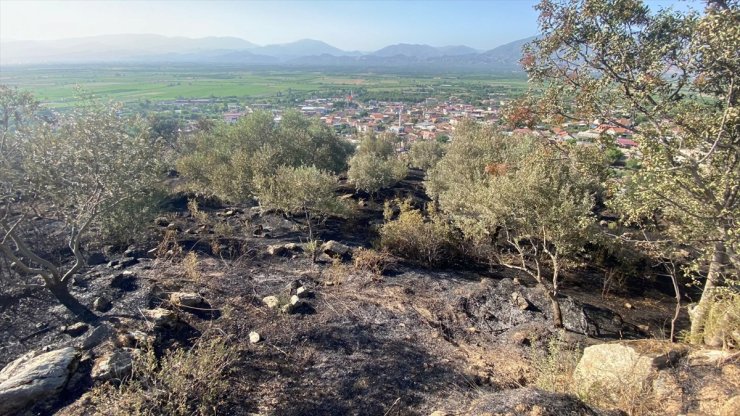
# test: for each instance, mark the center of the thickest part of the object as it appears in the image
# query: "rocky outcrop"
(35, 376)
(674, 378)
(116, 364)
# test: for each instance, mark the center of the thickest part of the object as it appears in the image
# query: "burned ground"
(407, 343)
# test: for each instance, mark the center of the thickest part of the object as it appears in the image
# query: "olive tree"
(678, 74)
(80, 168)
(530, 202)
(305, 190)
(225, 160)
(425, 154)
(375, 165)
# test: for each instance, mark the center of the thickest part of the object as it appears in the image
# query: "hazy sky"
(347, 24)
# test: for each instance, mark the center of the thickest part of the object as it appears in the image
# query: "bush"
(376, 262)
(722, 327)
(183, 382)
(554, 367)
(225, 160)
(304, 190)
(425, 155)
(429, 242)
(375, 165)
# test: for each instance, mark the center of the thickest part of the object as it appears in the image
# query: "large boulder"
(35, 376)
(663, 376)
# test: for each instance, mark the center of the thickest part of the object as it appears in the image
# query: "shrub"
(554, 366)
(425, 154)
(225, 160)
(307, 191)
(722, 326)
(430, 242)
(376, 262)
(375, 165)
(183, 382)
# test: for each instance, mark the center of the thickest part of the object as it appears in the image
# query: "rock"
(335, 249)
(618, 368)
(113, 263)
(34, 377)
(295, 300)
(229, 213)
(187, 299)
(136, 252)
(731, 407)
(254, 337)
(161, 317)
(439, 413)
(132, 339)
(97, 336)
(102, 304)
(96, 258)
(116, 364)
(128, 262)
(520, 301)
(76, 329)
(628, 305)
(530, 401)
(277, 250)
(302, 292)
(293, 247)
(162, 221)
(272, 302)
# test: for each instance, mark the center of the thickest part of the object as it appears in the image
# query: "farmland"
(56, 85)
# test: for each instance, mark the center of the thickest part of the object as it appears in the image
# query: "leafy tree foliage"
(530, 202)
(304, 190)
(375, 165)
(425, 154)
(226, 159)
(80, 168)
(678, 73)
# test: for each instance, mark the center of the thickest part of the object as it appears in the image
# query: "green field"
(56, 86)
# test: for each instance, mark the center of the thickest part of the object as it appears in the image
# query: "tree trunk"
(714, 279)
(557, 314)
(61, 292)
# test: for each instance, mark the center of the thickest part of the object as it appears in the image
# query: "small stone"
(161, 317)
(277, 250)
(254, 337)
(520, 301)
(295, 300)
(113, 263)
(336, 249)
(272, 302)
(96, 336)
(628, 305)
(229, 213)
(186, 299)
(101, 304)
(302, 292)
(76, 329)
(162, 221)
(116, 364)
(439, 413)
(172, 226)
(132, 339)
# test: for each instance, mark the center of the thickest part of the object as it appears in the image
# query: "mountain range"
(144, 48)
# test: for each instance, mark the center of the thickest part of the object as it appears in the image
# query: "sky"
(347, 24)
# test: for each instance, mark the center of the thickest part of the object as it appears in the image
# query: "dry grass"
(376, 262)
(554, 366)
(183, 382)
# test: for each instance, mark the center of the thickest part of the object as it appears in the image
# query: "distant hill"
(230, 50)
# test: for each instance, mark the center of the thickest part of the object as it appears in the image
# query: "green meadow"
(57, 86)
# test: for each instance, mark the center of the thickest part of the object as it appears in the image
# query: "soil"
(407, 343)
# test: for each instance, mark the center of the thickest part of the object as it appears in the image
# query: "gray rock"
(187, 299)
(116, 364)
(272, 302)
(277, 250)
(335, 249)
(97, 336)
(102, 304)
(520, 301)
(35, 376)
(161, 317)
(254, 337)
(76, 329)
